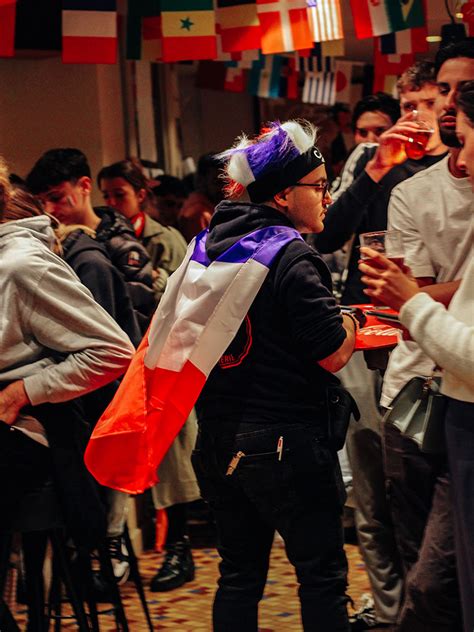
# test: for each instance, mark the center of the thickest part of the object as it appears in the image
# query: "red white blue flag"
(199, 315)
(89, 31)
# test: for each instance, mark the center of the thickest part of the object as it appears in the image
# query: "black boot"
(177, 567)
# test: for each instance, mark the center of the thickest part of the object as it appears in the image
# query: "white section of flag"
(89, 23)
(324, 21)
(319, 88)
(379, 17)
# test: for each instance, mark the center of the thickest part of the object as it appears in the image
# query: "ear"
(141, 196)
(85, 183)
(281, 198)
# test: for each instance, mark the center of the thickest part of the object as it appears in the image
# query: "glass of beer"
(415, 148)
(388, 242)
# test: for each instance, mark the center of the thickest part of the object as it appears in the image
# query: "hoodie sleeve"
(89, 348)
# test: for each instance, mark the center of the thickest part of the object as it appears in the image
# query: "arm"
(341, 357)
(440, 292)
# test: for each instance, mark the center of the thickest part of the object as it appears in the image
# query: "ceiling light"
(433, 38)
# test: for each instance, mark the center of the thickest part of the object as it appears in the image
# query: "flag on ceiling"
(264, 76)
(240, 26)
(289, 78)
(221, 54)
(325, 20)
(185, 341)
(189, 30)
(391, 64)
(7, 28)
(89, 31)
(467, 11)
(343, 71)
(285, 25)
(404, 42)
(314, 60)
(234, 80)
(245, 58)
(385, 83)
(319, 87)
(143, 30)
(377, 17)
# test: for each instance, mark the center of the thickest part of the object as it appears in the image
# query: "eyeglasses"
(319, 186)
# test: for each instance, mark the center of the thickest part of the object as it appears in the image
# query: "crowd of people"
(79, 286)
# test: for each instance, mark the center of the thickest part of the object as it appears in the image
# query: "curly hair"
(417, 76)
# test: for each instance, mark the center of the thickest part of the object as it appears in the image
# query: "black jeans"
(301, 496)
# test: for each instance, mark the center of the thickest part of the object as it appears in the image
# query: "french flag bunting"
(7, 27)
(89, 31)
(284, 25)
(404, 42)
(325, 20)
(200, 313)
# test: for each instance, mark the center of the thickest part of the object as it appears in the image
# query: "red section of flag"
(361, 16)
(89, 50)
(391, 64)
(189, 47)
(7, 28)
(234, 80)
(241, 38)
(283, 29)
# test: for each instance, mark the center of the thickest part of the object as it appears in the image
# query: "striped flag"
(199, 315)
(264, 76)
(7, 27)
(319, 87)
(189, 30)
(89, 31)
(285, 25)
(378, 17)
(144, 30)
(325, 20)
(404, 42)
(240, 26)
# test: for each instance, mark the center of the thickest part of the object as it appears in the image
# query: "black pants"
(301, 496)
(419, 488)
(460, 443)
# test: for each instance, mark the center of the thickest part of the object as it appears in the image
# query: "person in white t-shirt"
(433, 210)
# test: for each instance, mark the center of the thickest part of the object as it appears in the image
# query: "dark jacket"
(131, 258)
(293, 322)
(363, 208)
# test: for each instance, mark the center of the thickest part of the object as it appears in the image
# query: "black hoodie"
(270, 371)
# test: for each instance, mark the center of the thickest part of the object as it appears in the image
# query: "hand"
(12, 400)
(385, 281)
(391, 149)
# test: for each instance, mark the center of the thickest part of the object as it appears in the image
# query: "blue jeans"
(300, 495)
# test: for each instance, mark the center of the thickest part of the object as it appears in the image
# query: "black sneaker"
(365, 618)
(177, 568)
(120, 558)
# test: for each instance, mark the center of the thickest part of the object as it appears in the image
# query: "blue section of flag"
(262, 245)
(89, 5)
(388, 44)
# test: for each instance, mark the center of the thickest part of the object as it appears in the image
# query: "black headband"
(276, 180)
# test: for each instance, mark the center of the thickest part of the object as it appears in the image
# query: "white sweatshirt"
(447, 336)
(53, 335)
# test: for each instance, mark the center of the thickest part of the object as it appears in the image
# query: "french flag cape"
(200, 313)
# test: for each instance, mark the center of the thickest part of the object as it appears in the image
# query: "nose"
(451, 101)
(461, 162)
(327, 198)
(372, 137)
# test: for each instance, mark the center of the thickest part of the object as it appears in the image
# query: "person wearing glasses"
(263, 459)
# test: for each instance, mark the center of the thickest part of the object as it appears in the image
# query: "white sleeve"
(445, 339)
(347, 174)
(401, 216)
(88, 347)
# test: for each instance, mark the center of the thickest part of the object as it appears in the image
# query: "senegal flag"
(189, 30)
(378, 17)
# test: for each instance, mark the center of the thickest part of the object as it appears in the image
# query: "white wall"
(45, 103)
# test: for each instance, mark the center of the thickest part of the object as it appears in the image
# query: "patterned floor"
(188, 609)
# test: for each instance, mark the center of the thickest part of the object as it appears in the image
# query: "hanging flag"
(245, 58)
(315, 60)
(240, 26)
(343, 71)
(183, 344)
(333, 48)
(264, 76)
(144, 30)
(325, 20)
(385, 83)
(404, 42)
(285, 25)
(7, 28)
(391, 64)
(89, 31)
(320, 88)
(377, 17)
(467, 11)
(189, 30)
(221, 54)
(289, 79)
(234, 79)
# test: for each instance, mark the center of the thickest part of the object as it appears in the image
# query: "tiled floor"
(188, 609)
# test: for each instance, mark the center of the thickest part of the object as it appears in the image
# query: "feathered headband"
(280, 156)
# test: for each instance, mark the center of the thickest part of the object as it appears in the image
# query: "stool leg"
(59, 551)
(116, 600)
(85, 566)
(5, 547)
(7, 622)
(34, 549)
(136, 577)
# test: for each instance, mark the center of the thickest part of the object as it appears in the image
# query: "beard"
(448, 135)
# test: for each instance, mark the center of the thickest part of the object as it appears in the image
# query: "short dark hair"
(56, 166)
(130, 170)
(465, 100)
(378, 102)
(417, 76)
(463, 48)
(169, 185)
